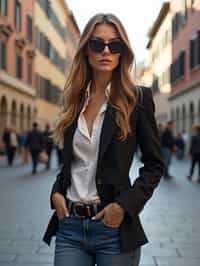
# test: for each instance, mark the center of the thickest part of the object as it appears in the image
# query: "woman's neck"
(100, 82)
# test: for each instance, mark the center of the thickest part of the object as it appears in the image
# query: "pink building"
(17, 51)
(185, 69)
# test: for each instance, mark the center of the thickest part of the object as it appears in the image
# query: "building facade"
(17, 55)
(159, 61)
(56, 39)
(184, 99)
(38, 39)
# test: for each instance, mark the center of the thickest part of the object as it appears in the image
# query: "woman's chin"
(104, 68)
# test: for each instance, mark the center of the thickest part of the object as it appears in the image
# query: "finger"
(62, 212)
(99, 215)
(112, 225)
(66, 211)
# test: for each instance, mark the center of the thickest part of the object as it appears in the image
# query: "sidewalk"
(171, 218)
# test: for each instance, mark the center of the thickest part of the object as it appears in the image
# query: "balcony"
(20, 41)
(31, 52)
(5, 27)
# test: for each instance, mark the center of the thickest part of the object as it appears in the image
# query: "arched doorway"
(14, 114)
(191, 115)
(183, 118)
(21, 118)
(177, 120)
(28, 118)
(172, 114)
(3, 113)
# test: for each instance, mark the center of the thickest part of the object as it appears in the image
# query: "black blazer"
(114, 161)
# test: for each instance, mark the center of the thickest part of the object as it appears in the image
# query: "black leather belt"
(83, 210)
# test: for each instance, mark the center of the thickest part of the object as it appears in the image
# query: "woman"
(104, 118)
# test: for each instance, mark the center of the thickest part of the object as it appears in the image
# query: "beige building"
(56, 39)
(159, 61)
(144, 75)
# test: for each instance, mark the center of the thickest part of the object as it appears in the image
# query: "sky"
(137, 17)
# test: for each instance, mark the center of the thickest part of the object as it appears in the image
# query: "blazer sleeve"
(134, 199)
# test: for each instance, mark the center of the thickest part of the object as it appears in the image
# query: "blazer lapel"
(108, 128)
(68, 139)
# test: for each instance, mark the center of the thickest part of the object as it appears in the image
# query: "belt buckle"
(86, 209)
(75, 208)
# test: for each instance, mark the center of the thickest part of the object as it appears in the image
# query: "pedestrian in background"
(23, 147)
(195, 152)
(35, 143)
(48, 144)
(185, 138)
(180, 146)
(105, 116)
(168, 147)
(11, 143)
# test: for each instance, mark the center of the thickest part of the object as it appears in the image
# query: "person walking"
(168, 147)
(96, 218)
(48, 144)
(11, 143)
(23, 147)
(180, 146)
(35, 143)
(195, 152)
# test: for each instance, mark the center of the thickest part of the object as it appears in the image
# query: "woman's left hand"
(112, 215)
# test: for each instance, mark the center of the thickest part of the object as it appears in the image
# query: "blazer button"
(99, 182)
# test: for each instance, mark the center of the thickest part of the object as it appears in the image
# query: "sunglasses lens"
(115, 47)
(96, 45)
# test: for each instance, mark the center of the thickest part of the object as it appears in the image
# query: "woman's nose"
(106, 49)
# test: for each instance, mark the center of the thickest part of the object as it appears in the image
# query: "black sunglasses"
(98, 46)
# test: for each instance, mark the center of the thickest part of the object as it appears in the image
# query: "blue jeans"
(86, 242)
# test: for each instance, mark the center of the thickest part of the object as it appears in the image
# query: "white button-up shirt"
(85, 153)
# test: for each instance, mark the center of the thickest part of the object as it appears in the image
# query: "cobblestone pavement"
(171, 218)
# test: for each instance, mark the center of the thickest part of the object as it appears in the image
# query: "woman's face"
(100, 57)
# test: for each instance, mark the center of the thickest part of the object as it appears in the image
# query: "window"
(29, 72)
(19, 62)
(198, 48)
(47, 47)
(18, 16)
(29, 28)
(172, 115)
(3, 55)
(3, 7)
(192, 53)
(195, 51)
(37, 38)
(178, 68)
(182, 63)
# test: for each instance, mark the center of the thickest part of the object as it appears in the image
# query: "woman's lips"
(105, 61)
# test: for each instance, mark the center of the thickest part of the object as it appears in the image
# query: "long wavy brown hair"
(123, 94)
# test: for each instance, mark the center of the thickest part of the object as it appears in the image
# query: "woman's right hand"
(59, 203)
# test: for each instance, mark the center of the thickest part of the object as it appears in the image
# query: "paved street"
(171, 218)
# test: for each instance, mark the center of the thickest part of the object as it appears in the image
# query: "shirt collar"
(88, 91)
(87, 97)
